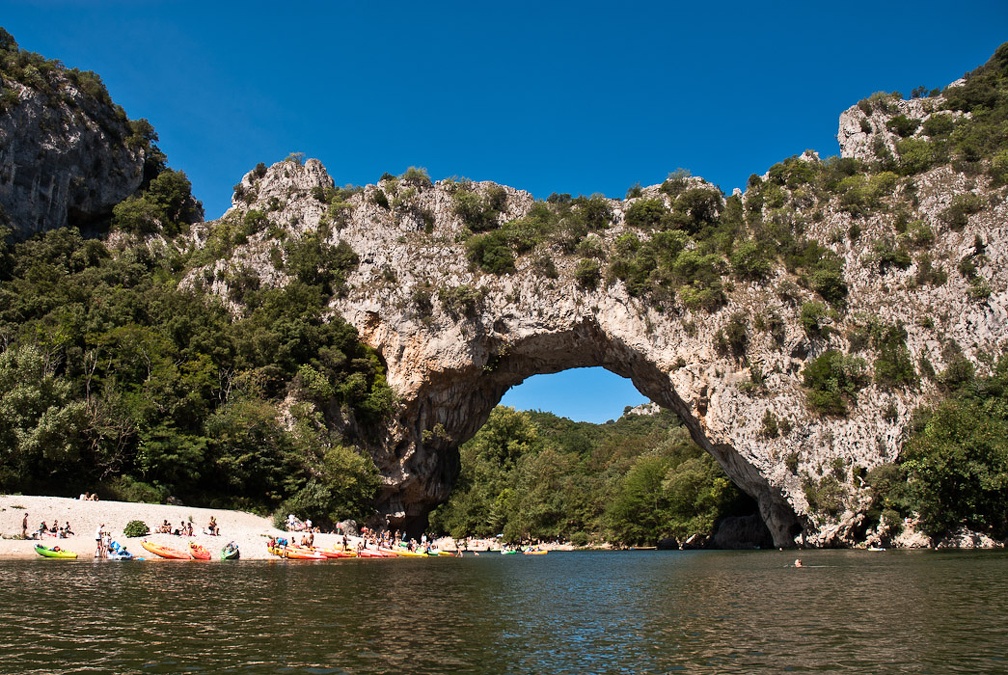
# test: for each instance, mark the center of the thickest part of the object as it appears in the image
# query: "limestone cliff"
(66, 152)
(454, 337)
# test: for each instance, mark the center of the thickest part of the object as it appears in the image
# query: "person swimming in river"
(798, 562)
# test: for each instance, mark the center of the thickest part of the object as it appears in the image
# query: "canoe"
(230, 552)
(165, 551)
(198, 552)
(531, 552)
(296, 552)
(53, 552)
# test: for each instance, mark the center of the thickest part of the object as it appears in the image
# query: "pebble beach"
(247, 530)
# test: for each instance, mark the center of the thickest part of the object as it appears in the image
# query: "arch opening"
(452, 405)
(591, 395)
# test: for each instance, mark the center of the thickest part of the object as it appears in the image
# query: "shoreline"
(249, 531)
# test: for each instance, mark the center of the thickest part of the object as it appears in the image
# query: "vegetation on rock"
(953, 471)
(114, 379)
(205, 363)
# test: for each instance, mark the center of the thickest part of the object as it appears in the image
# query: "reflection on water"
(639, 612)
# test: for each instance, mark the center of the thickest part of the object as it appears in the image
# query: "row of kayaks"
(195, 551)
(117, 552)
(230, 552)
(295, 552)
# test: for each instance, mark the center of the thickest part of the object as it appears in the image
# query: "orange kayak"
(338, 553)
(198, 552)
(303, 554)
(165, 551)
(296, 553)
(373, 553)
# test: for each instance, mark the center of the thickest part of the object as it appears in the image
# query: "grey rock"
(64, 159)
(450, 368)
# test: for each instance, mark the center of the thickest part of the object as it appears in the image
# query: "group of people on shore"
(185, 529)
(45, 530)
(106, 548)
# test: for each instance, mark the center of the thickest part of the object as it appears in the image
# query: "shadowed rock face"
(63, 158)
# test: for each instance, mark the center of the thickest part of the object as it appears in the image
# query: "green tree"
(638, 515)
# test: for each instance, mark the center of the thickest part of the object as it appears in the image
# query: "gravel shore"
(247, 530)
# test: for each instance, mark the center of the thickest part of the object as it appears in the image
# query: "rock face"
(64, 159)
(450, 361)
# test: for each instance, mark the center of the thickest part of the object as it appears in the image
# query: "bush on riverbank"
(953, 471)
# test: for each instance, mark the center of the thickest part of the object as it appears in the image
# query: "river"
(578, 612)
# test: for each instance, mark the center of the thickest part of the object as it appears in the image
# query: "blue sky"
(580, 97)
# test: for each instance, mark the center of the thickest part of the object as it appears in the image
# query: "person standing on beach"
(99, 549)
(24, 527)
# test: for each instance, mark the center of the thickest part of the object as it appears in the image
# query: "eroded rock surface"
(64, 155)
(450, 362)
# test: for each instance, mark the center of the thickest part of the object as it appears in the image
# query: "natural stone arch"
(458, 403)
(449, 362)
(450, 406)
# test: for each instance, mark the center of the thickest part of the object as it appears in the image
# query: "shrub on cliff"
(479, 213)
(462, 301)
(587, 274)
(832, 382)
(491, 252)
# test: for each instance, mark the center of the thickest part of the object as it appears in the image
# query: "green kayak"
(53, 552)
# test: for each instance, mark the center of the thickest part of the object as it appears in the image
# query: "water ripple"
(636, 612)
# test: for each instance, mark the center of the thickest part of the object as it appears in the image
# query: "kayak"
(535, 552)
(198, 552)
(303, 554)
(338, 553)
(165, 551)
(118, 552)
(53, 552)
(372, 553)
(406, 553)
(230, 552)
(296, 552)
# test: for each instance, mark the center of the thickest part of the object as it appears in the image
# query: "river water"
(628, 612)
